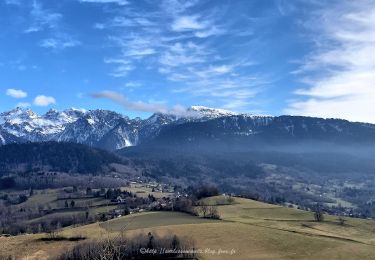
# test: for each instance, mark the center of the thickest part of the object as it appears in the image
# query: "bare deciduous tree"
(203, 209)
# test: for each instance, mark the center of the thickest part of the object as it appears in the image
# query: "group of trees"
(13, 199)
(193, 204)
(72, 204)
(14, 225)
(7, 182)
(202, 191)
(43, 179)
(143, 246)
(112, 194)
(209, 211)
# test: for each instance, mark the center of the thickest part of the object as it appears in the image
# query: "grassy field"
(248, 230)
(44, 197)
(49, 197)
(142, 191)
(152, 219)
(277, 217)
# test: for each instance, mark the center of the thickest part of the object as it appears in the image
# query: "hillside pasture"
(152, 219)
(247, 230)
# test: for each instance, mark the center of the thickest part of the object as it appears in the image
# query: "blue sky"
(138, 57)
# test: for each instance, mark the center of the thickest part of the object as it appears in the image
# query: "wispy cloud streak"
(119, 2)
(42, 18)
(340, 72)
(143, 106)
(177, 40)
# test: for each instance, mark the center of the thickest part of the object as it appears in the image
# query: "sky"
(274, 57)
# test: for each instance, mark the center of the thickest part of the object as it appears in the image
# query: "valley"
(224, 183)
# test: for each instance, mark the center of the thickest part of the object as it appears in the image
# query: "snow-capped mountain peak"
(18, 115)
(25, 123)
(211, 112)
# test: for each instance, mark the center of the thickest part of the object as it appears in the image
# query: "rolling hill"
(249, 229)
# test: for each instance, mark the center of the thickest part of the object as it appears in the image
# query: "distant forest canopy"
(54, 156)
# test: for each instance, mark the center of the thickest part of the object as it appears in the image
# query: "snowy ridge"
(27, 124)
(211, 112)
(110, 130)
(103, 128)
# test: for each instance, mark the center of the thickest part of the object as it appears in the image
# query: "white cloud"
(137, 105)
(136, 46)
(180, 54)
(209, 32)
(100, 26)
(285, 7)
(175, 7)
(121, 71)
(133, 84)
(123, 66)
(346, 54)
(60, 42)
(221, 69)
(119, 2)
(116, 60)
(236, 104)
(187, 23)
(42, 18)
(233, 89)
(16, 93)
(140, 52)
(23, 104)
(32, 29)
(13, 2)
(43, 101)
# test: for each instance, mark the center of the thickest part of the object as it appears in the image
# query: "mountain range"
(112, 131)
(103, 128)
(301, 159)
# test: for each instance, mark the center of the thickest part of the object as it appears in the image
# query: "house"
(120, 199)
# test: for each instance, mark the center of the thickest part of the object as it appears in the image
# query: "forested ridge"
(64, 157)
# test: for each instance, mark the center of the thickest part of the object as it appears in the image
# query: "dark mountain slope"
(64, 157)
(250, 153)
(7, 138)
(266, 131)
